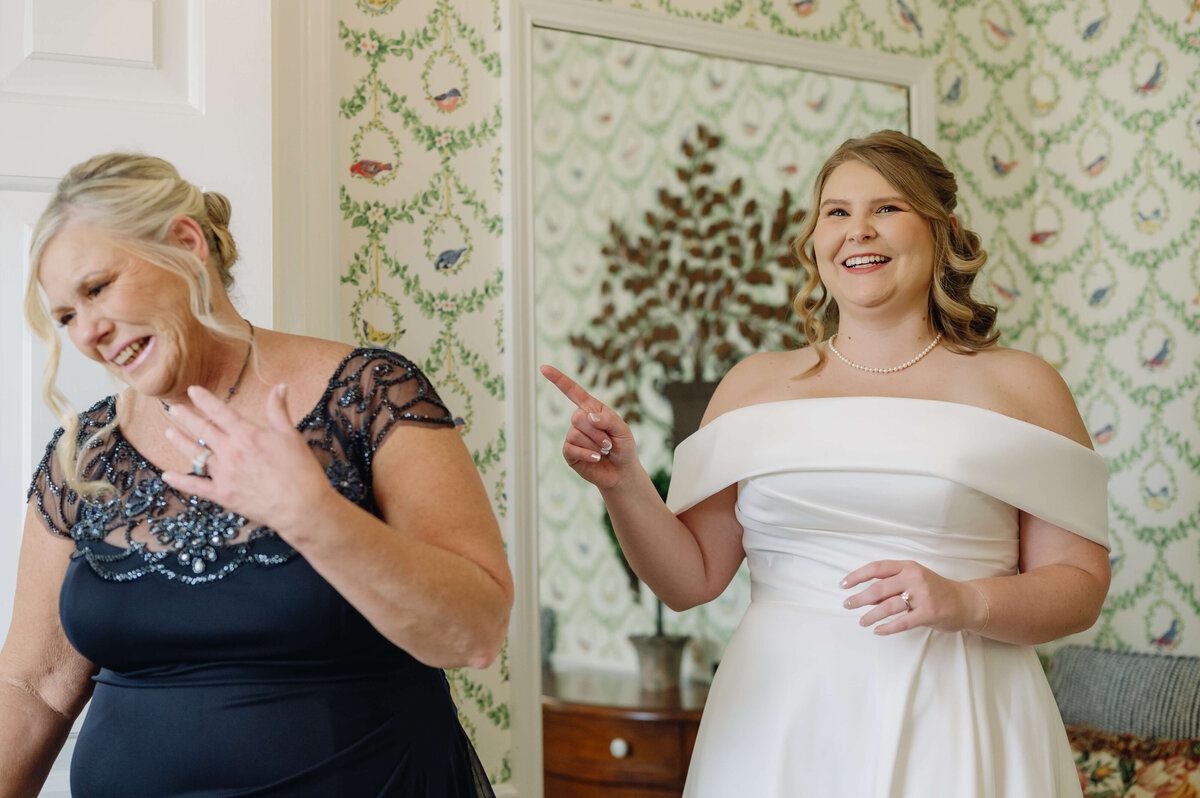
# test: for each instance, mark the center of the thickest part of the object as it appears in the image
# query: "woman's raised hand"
(257, 470)
(599, 444)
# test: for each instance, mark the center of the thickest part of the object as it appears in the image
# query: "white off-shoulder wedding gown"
(806, 702)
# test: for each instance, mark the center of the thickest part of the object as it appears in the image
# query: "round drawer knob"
(618, 748)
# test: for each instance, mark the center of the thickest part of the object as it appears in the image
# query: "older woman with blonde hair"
(918, 507)
(257, 557)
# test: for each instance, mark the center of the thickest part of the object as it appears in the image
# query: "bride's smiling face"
(871, 246)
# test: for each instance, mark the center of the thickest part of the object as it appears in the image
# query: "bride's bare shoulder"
(761, 377)
(1022, 385)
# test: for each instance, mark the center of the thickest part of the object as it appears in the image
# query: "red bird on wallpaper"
(1097, 166)
(1002, 167)
(449, 100)
(1000, 32)
(1042, 236)
(369, 169)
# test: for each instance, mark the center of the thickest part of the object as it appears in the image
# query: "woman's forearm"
(1038, 606)
(440, 607)
(31, 735)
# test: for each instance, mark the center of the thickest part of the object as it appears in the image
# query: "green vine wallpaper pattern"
(420, 199)
(1074, 128)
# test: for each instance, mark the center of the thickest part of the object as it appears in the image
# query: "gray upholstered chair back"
(1149, 695)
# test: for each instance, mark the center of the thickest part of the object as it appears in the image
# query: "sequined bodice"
(145, 526)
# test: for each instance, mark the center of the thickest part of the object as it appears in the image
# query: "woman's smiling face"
(119, 310)
(871, 247)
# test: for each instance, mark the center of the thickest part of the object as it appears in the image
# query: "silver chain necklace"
(237, 383)
(891, 370)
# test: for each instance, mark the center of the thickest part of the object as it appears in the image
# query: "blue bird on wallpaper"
(1093, 28)
(1113, 560)
(1157, 499)
(954, 92)
(715, 82)
(908, 17)
(1098, 295)
(1104, 434)
(447, 258)
(1160, 358)
(1097, 166)
(1002, 167)
(818, 104)
(1154, 81)
(1169, 638)
(1149, 222)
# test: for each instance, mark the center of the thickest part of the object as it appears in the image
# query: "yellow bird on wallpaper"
(377, 337)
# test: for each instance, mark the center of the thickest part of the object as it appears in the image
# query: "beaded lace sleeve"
(375, 390)
(58, 504)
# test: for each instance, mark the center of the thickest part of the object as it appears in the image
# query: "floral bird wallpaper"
(1073, 127)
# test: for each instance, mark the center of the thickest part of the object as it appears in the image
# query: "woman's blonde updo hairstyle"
(132, 199)
(923, 179)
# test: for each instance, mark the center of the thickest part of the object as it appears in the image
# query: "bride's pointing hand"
(599, 444)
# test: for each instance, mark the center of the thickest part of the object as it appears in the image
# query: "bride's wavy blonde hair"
(923, 179)
(133, 199)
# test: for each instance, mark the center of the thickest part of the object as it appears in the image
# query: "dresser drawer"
(588, 747)
(562, 787)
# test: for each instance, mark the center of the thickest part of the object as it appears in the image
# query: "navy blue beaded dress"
(228, 666)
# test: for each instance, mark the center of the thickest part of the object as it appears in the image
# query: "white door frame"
(304, 157)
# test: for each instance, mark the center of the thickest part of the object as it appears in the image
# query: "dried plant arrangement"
(706, 279)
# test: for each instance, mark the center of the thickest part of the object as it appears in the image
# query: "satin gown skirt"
(806, 701)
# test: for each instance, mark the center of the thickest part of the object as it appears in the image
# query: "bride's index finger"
(571, 389)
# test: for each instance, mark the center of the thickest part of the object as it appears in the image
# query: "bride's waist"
(813, 578)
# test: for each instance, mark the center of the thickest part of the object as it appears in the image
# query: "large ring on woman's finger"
(200, 461)
(905, 598)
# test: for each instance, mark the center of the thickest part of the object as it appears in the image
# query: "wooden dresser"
(604, 736)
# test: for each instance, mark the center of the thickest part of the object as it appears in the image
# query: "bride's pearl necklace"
(901, 367)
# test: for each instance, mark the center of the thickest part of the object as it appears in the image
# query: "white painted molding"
(524, 631)
(583, 16)
(304, 160)
(588, 17)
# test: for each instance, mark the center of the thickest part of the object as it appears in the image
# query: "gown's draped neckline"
(1027, 466)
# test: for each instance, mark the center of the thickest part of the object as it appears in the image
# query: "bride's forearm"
(660, 548)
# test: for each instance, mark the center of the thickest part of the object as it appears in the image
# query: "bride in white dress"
(918, 507)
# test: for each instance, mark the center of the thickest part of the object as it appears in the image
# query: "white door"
(187, 80)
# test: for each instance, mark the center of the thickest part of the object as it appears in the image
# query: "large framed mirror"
(615, 116)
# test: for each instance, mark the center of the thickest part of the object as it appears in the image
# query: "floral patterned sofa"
(1133, 720)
